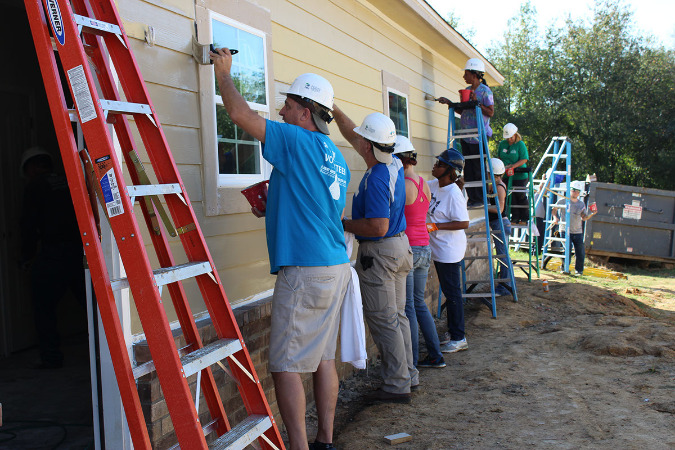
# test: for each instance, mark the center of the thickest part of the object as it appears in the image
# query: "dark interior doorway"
(42, 408)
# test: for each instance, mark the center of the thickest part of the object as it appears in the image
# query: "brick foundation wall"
(254, 322)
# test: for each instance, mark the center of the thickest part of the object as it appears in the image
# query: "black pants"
(57, 269)
(472, 171)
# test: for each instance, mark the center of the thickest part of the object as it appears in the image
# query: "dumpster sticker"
(629, 249)
(597, 235)
(632, 212)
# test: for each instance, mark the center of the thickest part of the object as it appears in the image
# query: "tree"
(609, 90)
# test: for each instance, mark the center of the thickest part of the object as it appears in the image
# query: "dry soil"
(580, 366)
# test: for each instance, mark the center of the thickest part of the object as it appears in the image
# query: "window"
(239, 154)
(398, 111)
(232, 159)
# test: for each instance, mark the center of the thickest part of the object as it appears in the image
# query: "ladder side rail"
(568, 149)
(165, 169)
(127, 234)
(159, 239)
(547, 183)
(86, 223)
(543, 158)
(548, 246)
(534, 240)
(196, 249)
(484, 154)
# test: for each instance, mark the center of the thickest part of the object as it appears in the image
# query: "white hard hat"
(577, 185)
(313, 87)
(475, 64)
(380, 130)
(497, 166)
(509, 130)
(403, 145)
(32, 152)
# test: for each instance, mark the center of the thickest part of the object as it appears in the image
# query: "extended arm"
(346, 126)
(235, 105)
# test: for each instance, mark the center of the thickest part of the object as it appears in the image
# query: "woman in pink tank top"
(416, 207)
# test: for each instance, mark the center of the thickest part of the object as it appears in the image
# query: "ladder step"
(481, 295)
(209, 355)
(149, 366)
(92, 25)
(207, 429)
(168, 275)
(497, 280)
(476, 183)
(115, 107)
(153, 189)
(471, 258)
(472, 157)
(243, 433)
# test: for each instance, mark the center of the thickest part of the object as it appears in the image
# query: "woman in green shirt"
(513, 153)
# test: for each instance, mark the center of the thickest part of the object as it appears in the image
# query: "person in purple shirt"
(474, 75)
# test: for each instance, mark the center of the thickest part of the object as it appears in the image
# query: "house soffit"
(418, 19)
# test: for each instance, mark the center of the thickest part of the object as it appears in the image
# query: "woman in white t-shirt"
(446, 221)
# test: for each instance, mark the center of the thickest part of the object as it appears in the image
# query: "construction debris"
(394, 439)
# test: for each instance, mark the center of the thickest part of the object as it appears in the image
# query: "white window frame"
(221, 195)
(239, 180)
(407, 103)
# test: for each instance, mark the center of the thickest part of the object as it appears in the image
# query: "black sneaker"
(316, 445)
(433, 363)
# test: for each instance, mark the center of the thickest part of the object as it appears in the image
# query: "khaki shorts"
(306, 316)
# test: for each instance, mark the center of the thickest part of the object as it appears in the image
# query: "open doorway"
(50, 406)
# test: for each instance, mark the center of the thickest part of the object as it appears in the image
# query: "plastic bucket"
(464, 95)
(256, 194)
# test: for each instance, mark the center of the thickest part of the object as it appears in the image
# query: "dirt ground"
(589, 364)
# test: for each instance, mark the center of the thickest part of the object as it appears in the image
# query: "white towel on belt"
(352, 328)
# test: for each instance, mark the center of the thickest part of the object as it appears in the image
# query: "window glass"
(238, 152)
(398, 112)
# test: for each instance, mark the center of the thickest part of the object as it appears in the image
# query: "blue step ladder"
(488, 297)
(557, 163)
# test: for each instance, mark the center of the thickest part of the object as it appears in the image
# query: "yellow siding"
(349, 42)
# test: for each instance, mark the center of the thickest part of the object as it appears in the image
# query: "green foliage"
(597, 82)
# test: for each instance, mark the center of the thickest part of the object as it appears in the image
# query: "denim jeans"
(501, 247)
(577, 240)
(450, 279)
(416, 308)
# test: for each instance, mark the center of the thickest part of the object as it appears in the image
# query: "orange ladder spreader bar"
(75, 31)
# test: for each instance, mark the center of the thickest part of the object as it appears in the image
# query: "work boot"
(380, 396)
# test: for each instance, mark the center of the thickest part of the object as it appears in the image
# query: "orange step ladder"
(86, 36)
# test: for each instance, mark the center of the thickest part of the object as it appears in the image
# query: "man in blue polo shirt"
(305, 240)
(384, 258)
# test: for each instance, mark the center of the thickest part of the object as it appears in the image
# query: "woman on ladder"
(513, 153)
(474, 75)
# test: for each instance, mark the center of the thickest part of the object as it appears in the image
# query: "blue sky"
(489, 17)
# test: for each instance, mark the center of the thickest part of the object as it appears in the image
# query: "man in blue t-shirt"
(305, 240)
(384, 257)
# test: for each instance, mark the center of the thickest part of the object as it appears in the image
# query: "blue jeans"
(416, 308)
(579, 251)
(450, 279)
(501, 247)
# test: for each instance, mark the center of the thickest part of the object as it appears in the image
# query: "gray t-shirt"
(577, 212)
